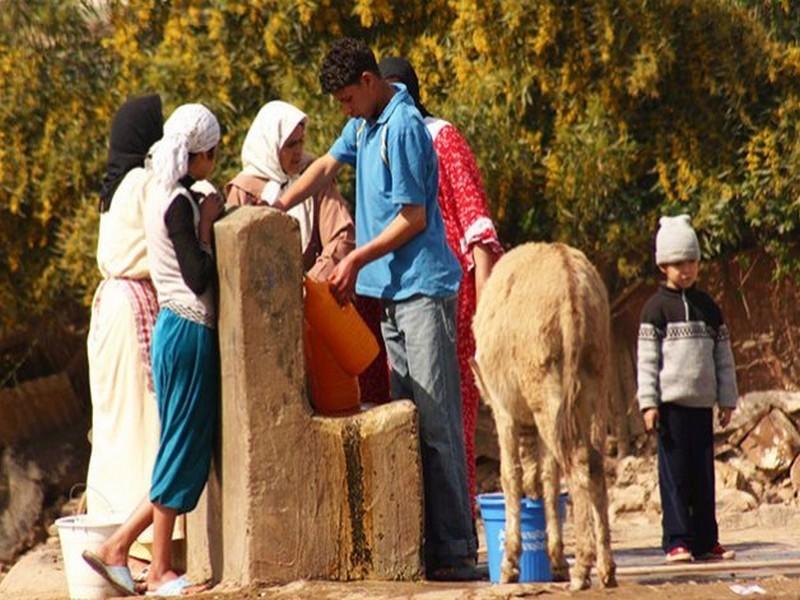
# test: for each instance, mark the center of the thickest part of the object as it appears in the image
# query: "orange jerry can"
(333, 391)
(346, 335)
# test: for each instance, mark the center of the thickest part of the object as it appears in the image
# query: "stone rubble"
(757, 460)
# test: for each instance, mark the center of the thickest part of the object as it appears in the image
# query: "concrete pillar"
(295, 495)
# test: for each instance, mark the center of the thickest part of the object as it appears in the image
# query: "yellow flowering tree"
(52, 123)
(589, 118)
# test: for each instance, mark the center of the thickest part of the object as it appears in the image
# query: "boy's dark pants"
(686, 477)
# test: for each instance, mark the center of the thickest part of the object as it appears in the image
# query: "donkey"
(542, 337)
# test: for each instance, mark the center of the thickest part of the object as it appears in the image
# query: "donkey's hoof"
(607, 572)
(608, 577)
(608, 581)
(509, 573)
(560, 572)
(578, 583)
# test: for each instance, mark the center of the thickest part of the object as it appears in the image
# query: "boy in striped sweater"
(685, 365)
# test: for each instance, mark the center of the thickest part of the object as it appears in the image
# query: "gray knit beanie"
(676, 241)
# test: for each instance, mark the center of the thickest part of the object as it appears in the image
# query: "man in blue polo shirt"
(402, 257)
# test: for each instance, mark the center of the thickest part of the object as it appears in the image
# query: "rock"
(629, 470)
(775, 495)
(654, 500)
(43, 469)
(786, 401)
(773, 443)
(727, 476)
(632, 498)
(755, 481)
(650, 482)
(647, 474)
(39, 574)
(751, 409)
(738, 520)
(794, 474)
(735, 501)
(24, 500)
(791, 402)
(745, 467)
(779, 516)
(757, 488)
(723, 451)
(785, 495)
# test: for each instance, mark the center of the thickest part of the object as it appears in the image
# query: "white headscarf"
(270, 130)
(191, 128)
(272, 126)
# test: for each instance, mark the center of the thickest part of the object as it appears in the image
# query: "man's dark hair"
(347, 59)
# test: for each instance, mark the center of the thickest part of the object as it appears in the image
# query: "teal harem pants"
(186, 370)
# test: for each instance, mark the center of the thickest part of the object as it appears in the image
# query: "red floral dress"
(374, 381)
(462, 200)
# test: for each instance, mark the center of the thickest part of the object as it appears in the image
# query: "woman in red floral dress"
(470, 233)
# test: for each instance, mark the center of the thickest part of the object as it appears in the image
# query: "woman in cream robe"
(125, 425)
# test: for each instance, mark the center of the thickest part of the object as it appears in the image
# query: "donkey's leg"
(540, 479)
(584, 534)
(606, 568)
(555, 539)
(529, 451)
(546, 415)
(511, 479)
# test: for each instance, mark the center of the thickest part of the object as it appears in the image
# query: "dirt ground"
(768, 534)
(775, 587)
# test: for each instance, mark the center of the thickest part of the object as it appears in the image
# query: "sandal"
(173, 587)
(118, 576)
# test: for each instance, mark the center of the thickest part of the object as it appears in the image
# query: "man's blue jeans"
(420, 337)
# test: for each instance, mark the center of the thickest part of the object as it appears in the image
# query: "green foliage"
(781, 16)
(589, 118)
(53, 73)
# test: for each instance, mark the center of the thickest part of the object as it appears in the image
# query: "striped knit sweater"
(684, 352)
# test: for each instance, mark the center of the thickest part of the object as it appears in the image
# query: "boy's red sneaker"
(718, 552)
(679, 554)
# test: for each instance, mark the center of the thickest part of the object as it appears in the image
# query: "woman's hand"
(483, 259)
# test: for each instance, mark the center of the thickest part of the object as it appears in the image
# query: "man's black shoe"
(467, 571)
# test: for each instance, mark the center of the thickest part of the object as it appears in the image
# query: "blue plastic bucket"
(534, 564)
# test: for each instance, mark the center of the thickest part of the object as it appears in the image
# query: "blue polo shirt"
(396, 165)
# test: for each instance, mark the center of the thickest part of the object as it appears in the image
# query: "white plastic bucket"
(79, 533)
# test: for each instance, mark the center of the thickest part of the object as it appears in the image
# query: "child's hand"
(211, 209)
(650, 417)
(725, 415)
